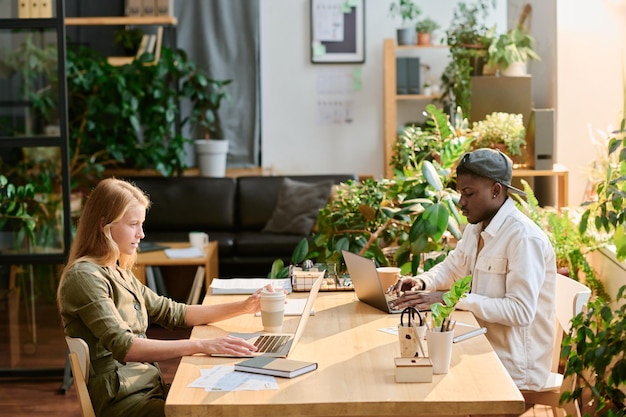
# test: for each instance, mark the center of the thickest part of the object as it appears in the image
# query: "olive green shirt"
(108, 308)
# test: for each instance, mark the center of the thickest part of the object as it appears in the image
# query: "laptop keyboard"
(271, 343)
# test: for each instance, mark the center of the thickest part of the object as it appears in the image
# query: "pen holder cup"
(440, 350)
(408, 337)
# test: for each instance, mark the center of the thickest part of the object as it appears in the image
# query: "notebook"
(280, 345)
(367, 284)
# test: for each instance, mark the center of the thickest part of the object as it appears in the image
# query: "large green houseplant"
(594, 351)
(206, 95)
(399, 220)
(468, 38)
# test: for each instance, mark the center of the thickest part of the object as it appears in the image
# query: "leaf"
(300, 252)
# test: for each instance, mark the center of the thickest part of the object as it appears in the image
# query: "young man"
(513, 270)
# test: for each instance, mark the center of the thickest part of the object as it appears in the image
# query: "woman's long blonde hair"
(106, 205)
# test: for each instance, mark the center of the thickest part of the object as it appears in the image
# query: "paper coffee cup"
(272, 310)
(388, 275)
(198, 239)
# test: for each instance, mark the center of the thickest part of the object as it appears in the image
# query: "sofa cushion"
(257, 196)
(297, 206)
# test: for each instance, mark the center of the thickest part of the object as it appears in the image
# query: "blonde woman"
(102, 302)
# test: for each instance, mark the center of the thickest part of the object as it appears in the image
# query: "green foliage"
(501, 128)
(459, 289)
(517, 45)
(35, 66)
(125, 116)
(426, 25)
(608, 213)
(414, 212)
(570, 245)
(206, 95)
(15, 209)
(129, 39)
(407, 10)
(594, 350)
(468, 38)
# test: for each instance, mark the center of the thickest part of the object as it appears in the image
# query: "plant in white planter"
(206, 95)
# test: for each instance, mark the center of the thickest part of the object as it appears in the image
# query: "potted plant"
(206, 95)
(441, 311)
(504, 131)
(398, 221)
(408, 11)
(511, 51)
(424, 29)
(594, 352)
(468, 40)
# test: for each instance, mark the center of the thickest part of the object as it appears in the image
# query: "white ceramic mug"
(198, 239)
(272, 310)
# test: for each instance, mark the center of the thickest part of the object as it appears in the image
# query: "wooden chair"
(571, 297)
(79, 361)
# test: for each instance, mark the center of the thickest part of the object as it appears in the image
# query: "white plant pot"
(211, 156)
(515, 69)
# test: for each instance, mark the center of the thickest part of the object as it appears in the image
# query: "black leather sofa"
(233, 211)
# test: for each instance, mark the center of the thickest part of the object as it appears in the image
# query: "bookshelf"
(391, 98)
(163, 22)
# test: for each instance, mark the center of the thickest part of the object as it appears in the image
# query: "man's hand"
(420, 300)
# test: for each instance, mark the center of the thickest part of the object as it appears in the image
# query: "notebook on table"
(280, 345)
(367, 284)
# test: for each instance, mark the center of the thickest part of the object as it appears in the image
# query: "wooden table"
(356, 371)
(159, 258)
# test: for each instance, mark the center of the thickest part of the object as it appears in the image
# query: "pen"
(469, 335)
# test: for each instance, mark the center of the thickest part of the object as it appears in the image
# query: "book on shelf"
(413, 75)
(196, 287)
(142, 45)
(284, 368)
(402, 76)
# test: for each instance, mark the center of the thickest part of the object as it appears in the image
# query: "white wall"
(590, 42)
(588, 86)
(292, 141)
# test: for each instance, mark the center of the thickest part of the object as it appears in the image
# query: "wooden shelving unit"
(163, 21)
(391, 99)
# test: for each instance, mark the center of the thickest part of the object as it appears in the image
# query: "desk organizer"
(414, 369)
(303, 280)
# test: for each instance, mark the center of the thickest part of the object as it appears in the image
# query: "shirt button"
(141, 336)
(137, 306)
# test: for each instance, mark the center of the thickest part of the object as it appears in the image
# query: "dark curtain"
(223, 37)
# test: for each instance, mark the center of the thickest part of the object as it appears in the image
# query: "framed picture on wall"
(337, 31)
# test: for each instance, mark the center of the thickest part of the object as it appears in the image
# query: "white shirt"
(513, 290)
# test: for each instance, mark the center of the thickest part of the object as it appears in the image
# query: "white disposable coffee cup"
(198, 239)
(388, 275)
(272, 310)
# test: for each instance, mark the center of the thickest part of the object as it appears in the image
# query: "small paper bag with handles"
(411, 333)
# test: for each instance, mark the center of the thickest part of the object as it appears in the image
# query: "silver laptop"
(367, 284)
(280, 345)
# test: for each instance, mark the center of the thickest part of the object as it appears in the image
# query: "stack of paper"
(247, 285)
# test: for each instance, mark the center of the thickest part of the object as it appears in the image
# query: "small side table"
(159, 258)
